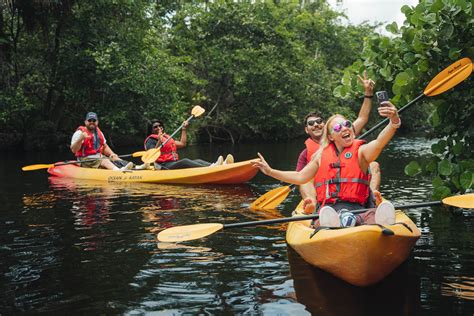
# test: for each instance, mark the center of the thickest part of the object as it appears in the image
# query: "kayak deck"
(235, 173)
(360, 255)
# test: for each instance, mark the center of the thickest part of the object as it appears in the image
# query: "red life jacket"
(168, 151)
(311, 148)
(87, 147)
(339, 177)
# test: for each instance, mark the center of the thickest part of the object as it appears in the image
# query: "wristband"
(396, 125)
(369, 96)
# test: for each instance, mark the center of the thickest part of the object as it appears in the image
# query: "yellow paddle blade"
(462, 201)
(271, 199)
(449, 77)
(151, 155)
(139, 153)
(188, 232)
(36, 167)
(197, 111)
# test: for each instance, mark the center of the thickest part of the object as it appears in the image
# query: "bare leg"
(107, 164)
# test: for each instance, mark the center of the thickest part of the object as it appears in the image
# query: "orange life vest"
(89, 146)
(168, 151)
(311, 148)
(339, 177)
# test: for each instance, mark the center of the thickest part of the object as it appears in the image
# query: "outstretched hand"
(367, 83)
(262, 165)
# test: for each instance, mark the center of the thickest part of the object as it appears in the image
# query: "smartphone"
(382, 96)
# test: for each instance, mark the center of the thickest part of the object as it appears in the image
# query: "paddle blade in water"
(197, 111)
(37, 167)
(151, 155)
(271, 199)
(449, 77)
(188, 232)
(462, 201)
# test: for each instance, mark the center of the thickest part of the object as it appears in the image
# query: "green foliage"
(265, 65)
(434, 34)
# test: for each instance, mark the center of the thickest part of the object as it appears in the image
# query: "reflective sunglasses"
(316, 121)
(92, 121)
(337, 128)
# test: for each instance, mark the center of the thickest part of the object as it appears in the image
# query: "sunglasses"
(316, 121)
(91, 121)
(337, 128)
(156, 126)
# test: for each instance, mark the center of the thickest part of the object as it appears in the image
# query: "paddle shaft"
(87, 160)
(174, 133)
(314, 216)
(387, 119)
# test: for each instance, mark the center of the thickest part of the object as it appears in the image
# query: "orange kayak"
(235, 173)
(360, 255)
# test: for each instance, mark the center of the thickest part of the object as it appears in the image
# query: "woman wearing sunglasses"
(340, 170)
(169, 158)
(314, 127)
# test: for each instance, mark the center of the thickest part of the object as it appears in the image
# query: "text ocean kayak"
(235, 173)
(360, 255)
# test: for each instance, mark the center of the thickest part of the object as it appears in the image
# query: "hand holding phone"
(382, 96)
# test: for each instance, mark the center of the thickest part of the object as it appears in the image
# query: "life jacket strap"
(342, 180)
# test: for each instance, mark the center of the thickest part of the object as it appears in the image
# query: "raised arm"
(182, 142)
(295, 177)
(366, 107)
(372, 150)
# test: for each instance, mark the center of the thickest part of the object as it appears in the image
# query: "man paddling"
(314, 127)
(89, 145)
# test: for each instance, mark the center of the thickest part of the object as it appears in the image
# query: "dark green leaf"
(458, 149)
(466, 180)
(445, 167)
(441, 192)
(412, 169)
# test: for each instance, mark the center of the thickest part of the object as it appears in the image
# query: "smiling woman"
(339, 170)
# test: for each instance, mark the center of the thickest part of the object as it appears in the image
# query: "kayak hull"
(235, 173)
(360, 255)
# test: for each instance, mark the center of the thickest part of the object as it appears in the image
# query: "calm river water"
(90, 247)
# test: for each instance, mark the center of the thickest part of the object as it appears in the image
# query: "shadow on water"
(324, 294)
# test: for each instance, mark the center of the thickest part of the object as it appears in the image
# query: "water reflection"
(461, 287)
(324, 294)
(90, 247)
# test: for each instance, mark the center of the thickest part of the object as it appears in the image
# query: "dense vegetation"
(260, 66)
(257, 68)
(435, 34)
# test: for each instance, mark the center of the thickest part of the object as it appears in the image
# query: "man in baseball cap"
(89, 145)
(92, 116)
